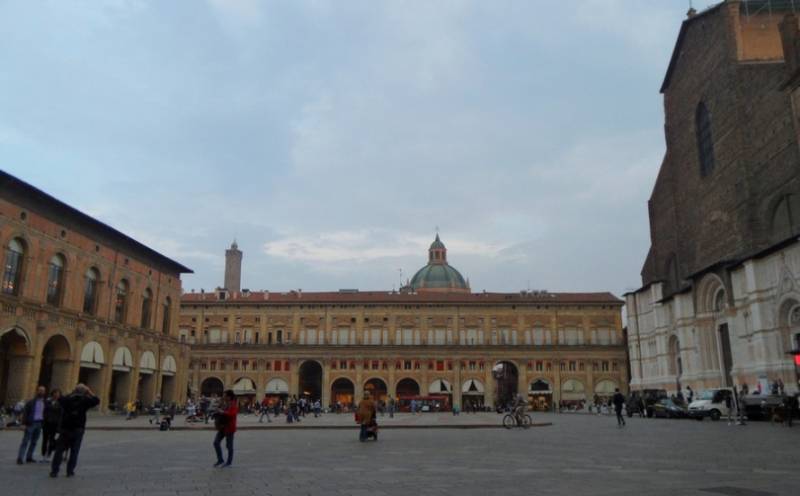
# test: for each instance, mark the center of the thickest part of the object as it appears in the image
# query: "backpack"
(220, 421)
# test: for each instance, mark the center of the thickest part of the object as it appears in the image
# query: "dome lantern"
(438, 275)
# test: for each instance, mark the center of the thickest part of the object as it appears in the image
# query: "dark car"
(669, 408)
(641, 402)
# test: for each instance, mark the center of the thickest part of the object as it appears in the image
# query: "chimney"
(790, 36)
(691, 13)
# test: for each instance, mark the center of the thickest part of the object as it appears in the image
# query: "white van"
(711, 403)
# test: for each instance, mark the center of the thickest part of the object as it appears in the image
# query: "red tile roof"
(388, 297)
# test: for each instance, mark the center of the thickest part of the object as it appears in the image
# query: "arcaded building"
(720, 300)
(83, 302)
(432, 339)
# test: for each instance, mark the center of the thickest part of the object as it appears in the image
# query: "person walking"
(32, 418)
(264, 411)
(52, 417)
(317, 408)
(392, 406)
(225, 422)
(73, 425)
(689, 395)
(619, 401)
(365, 416)
(729, 403)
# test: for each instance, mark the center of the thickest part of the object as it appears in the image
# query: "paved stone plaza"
(577, 454)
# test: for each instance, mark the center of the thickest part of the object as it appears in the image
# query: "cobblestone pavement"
(578, 454)
(327, 420)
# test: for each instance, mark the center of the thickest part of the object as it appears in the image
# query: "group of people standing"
(61, 421)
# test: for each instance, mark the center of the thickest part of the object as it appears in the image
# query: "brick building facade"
(434, 338)
(720, 303)
(81, 301)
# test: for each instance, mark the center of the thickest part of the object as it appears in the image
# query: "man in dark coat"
(73, 423)
(619, 401)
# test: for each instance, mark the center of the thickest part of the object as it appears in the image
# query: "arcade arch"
(310, 380)
(14, 356)
(56, 364)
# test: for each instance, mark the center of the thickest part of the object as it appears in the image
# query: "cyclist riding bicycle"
(519, 407)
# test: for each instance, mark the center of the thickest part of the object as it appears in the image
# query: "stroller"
(372, 430)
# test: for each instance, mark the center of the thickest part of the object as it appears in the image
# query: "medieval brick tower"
(233, 268)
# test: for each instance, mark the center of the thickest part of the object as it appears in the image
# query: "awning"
(123, 360)
(168, 366)
(92, 355)
(440, 386)
(147, 364)
(472, 386)
(244, 386)
(277, 386)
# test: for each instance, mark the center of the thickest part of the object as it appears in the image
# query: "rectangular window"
(375, 337)
(408, 337)
(278, 365)
(572, 367)
(279, 337)
(407, 365)
(440, 337)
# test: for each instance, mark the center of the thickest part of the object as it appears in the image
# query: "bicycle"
(517, 419)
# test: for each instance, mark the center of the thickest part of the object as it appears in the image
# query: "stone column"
(359, 385)
(391, 390)
(457, 383)
(294, 377)
(104, 392)
(326, 383)
(488, 396)
(19, 374)
(522, 377)
(557, 384)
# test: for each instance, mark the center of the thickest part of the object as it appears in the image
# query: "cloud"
(235, 14)
(366, 245)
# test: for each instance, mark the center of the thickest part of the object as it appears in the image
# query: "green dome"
(438, 276)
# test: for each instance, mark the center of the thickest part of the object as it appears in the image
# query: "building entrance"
(311, 380)
(377, 389)
(343, 392)
(13, 353)
(506, 379)
(56, 364)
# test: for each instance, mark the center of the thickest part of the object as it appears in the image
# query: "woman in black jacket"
(52, 417)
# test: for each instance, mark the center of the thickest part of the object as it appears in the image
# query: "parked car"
(710, 403)
(640, 402)
(669, 408)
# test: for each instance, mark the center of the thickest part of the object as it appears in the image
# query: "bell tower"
(233, 268)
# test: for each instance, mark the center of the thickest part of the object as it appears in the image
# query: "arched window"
(120, 302)
(55, 280)
(705, 142)
(90, 291)
(147, 305)
(166, 317)
(12, 270)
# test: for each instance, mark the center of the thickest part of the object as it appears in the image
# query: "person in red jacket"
(225, 422)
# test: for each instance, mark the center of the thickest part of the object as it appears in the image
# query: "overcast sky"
(331, 138)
